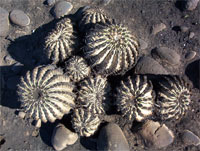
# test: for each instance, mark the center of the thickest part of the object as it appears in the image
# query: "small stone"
(158, 28)
(157, 135)
(35, 133)
(105, 2)
(8, 59)
(17, 67)
(191, 4)
(50, 2)
(18, 17)
(62, 137)
(143, 44)
(191, 35)
(166, 55)
(12, 82)
(21, 114)
(184, 29)
(38, 123)
(190, 55)
(61, 9)
(189, 138)
(112, 138)
(147, 65)
(4, 22)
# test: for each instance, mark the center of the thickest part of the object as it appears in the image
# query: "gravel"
(4, 22)
(19, 18)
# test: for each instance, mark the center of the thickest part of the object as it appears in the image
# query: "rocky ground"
(169, 36)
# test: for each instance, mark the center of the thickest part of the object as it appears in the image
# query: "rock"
(50, 2)
(147, 65)
(191, 4)
(21, 114)
(190, 55)
(8, 59)
(38, 123)
(158, 28)
(184, 29)
(17, 67)
(62, 137)
(166, 55)
(4, 22)
(12, 82)
(112, 138)
(189, 138)
(157, 135)
(191, 35)
(18, 17)
(61, 9)
(143, 44)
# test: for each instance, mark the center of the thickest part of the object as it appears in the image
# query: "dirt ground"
(24, 45)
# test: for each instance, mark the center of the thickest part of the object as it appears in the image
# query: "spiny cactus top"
(84, 122)
(60, 42)
(111, 49)
(92, 93)
(92, 16)
(77, 69)
(135, 98)
(173, 98)
(46, 94)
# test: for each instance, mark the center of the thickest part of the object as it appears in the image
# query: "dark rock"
(4, 22)
(158, 28)
(61, 9)
(190, 138)
(18, 17)
(166, 56)
(190, 55)
(147, 65)
(157, 135)
(112, 138)
(191, 4)
(62, 137)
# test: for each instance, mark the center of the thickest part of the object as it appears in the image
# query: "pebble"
(105, 2)
(184, 29)
(50, 2)
(190, 55)
(21, 114)
(112, 138)
(147, 65)
(35, 133)
(157, 135)
(17, 67)
(143, 44)
(166, 55)
(191, 4)
(18, 17)
(62, 137)
(189, 138)
(61, 9)
(8, 59)
(12, 82)
(4, 22)
(191, 35)
(37, 123)
(158, 28)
